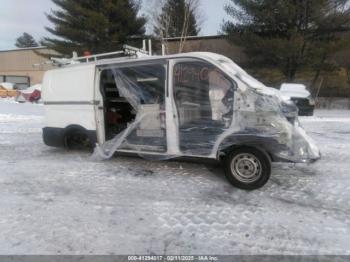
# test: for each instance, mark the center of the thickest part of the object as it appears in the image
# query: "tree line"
(285, 35)
(104, 26)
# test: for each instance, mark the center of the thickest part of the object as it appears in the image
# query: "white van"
(197, 105)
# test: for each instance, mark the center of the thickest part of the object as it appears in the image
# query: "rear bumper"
(306, 110)
(305, 106)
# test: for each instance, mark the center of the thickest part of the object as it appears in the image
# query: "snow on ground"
(58, 202)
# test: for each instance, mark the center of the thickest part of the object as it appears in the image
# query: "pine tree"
(26, 41)
(94, 25)
(289, 35)
(177, 19)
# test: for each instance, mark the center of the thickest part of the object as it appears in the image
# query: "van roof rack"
(127, 52)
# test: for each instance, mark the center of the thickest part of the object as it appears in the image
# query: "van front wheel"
(248, 168)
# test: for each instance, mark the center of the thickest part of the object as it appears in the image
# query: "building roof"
(195, 37)
(24, 49)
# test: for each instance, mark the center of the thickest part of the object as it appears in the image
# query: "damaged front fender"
(264, 120)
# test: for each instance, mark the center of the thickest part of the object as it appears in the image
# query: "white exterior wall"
(68, 96)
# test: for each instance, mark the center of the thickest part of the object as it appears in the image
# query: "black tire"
(77, 140)
(251, 168)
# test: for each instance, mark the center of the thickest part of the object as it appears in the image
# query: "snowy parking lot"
(57, 202)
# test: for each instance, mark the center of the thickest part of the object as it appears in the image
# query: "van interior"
(117, 110)
(144, 87)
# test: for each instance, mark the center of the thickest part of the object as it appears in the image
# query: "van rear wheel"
(77, 140)
(248, 168)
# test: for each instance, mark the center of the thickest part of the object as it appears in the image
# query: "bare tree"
(175, 18)
(191, 7)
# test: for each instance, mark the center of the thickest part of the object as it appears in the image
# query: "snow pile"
(8, 86)
(8, 100)
(31, 89)
(14, 118)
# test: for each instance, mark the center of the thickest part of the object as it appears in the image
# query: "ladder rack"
(127, 52)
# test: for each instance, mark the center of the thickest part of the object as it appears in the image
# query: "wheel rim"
(246, 168)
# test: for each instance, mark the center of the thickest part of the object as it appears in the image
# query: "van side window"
(142, 84)
(202, 93)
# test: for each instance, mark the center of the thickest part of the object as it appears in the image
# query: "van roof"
(226, 64)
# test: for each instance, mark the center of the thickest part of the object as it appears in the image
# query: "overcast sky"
(18, 16)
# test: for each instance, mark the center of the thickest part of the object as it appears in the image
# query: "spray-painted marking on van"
(72, 103)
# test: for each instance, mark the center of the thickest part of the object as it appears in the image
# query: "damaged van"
(195, 105)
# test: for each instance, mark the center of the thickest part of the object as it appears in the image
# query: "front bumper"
(300, 149)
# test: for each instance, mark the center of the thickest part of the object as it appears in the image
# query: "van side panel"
(68, 96)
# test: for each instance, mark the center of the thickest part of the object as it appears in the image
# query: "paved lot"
(58, 202)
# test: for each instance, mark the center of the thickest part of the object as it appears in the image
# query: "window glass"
(202, 92)
(22, 82)
(144, 84)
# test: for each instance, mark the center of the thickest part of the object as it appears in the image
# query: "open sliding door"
(134, 108)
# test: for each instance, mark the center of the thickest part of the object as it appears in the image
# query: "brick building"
(17, 65)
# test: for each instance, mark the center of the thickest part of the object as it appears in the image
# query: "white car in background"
(302, 98)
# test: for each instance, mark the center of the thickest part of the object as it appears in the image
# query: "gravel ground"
(58, 202)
